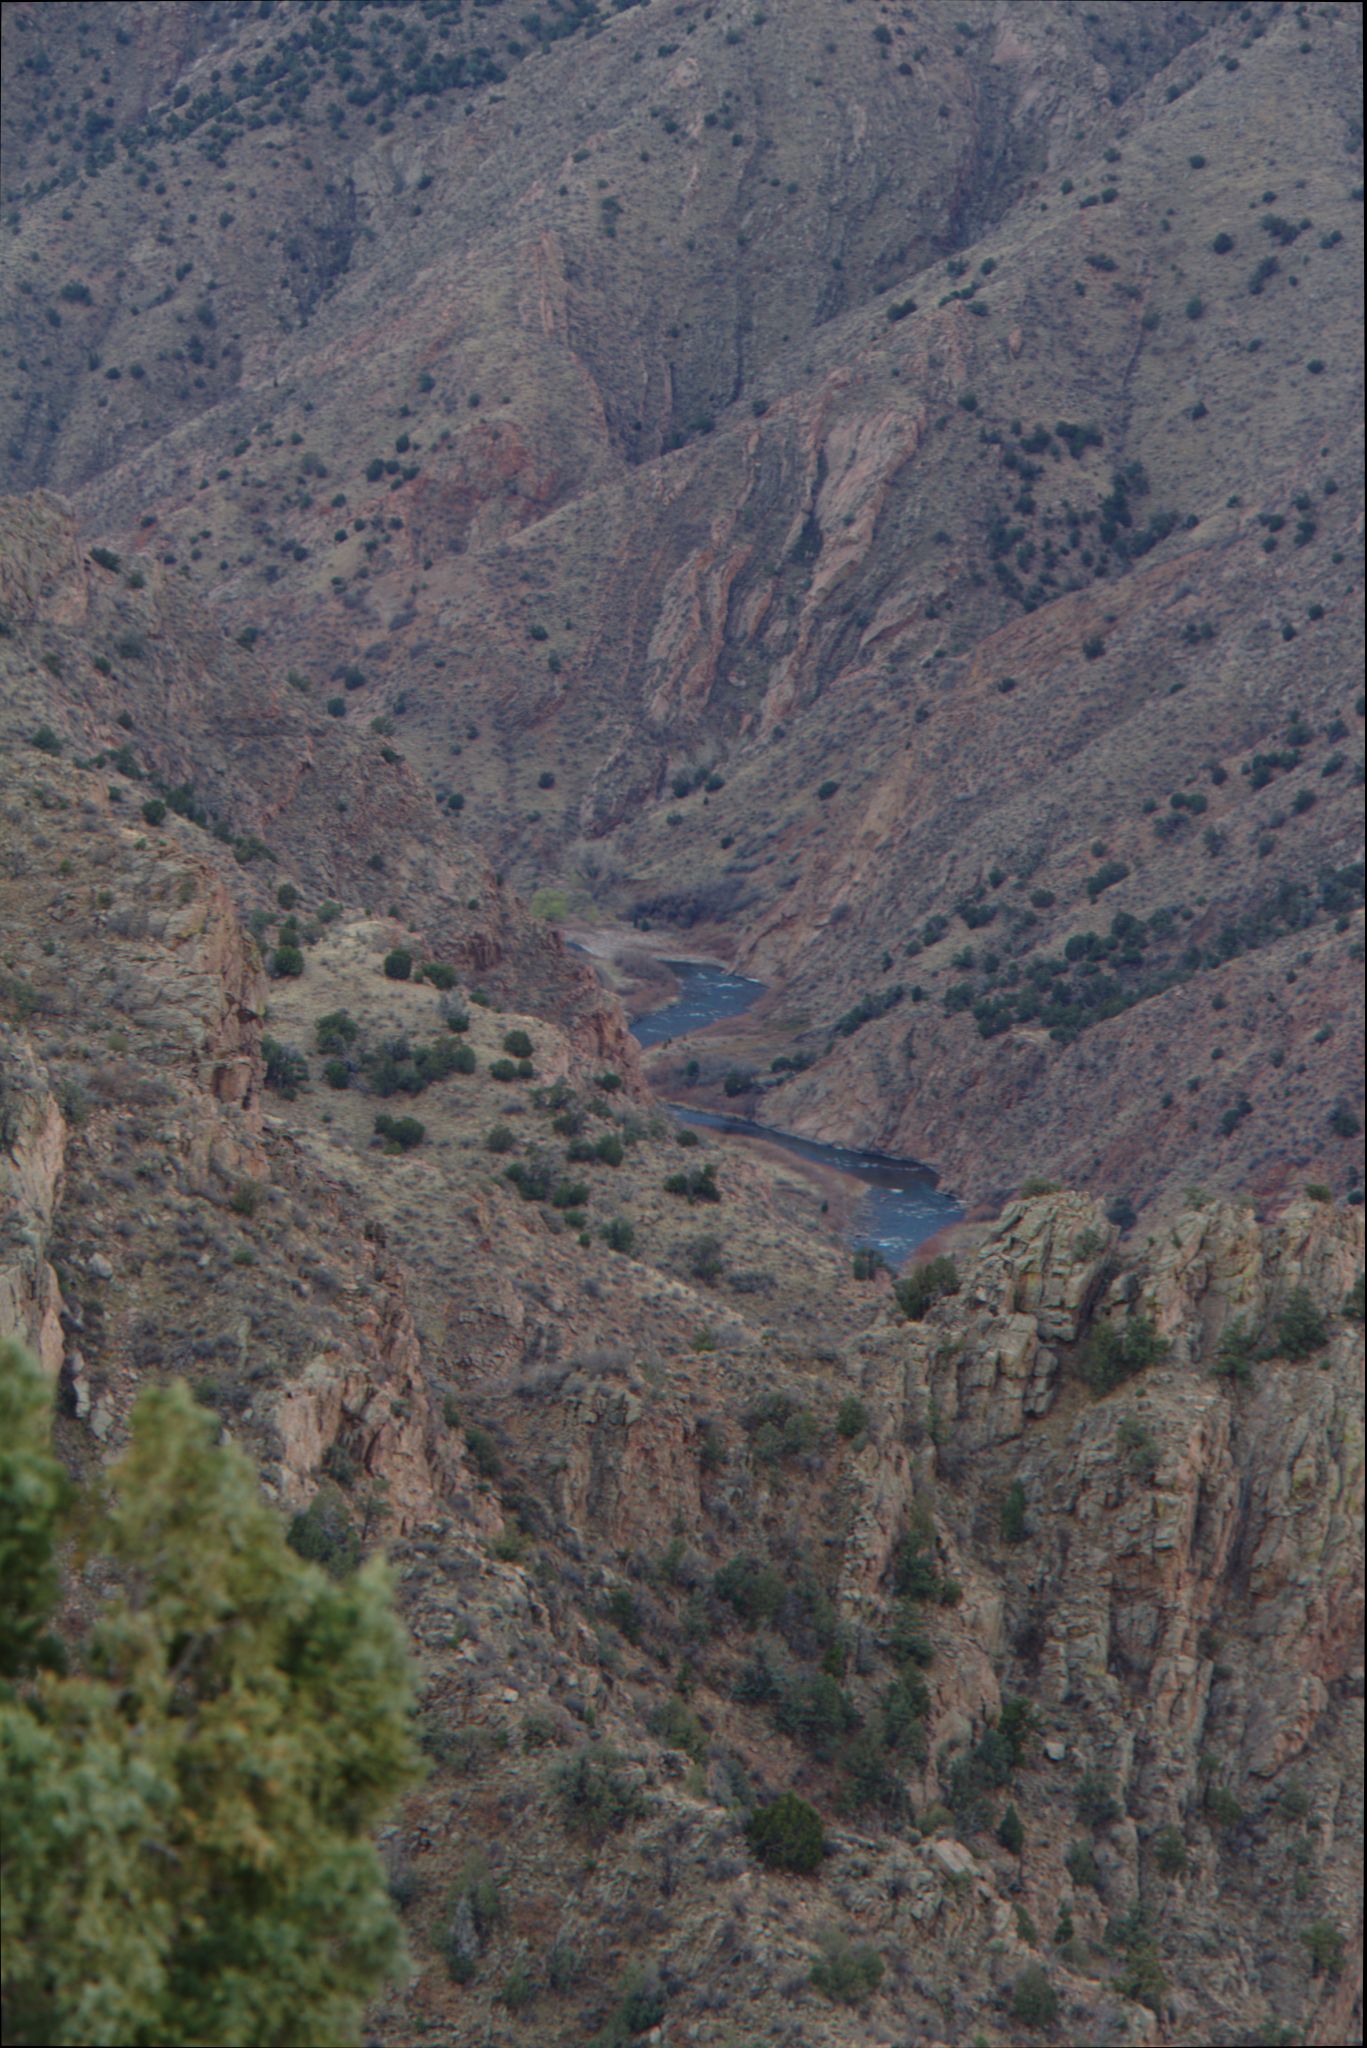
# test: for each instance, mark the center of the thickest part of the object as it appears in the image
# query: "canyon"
(869, 501)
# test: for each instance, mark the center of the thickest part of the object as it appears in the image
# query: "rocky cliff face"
(1180, 1604)
(136, 1126)
(715, 1537)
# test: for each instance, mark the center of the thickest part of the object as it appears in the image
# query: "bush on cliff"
(1116, 1352)
(919, 1291)
(787, 1834)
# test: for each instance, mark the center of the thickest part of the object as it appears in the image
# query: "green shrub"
(400, 1133)
(323, 1533)
(1143, 1977)
(845, 1972)
(533, 1178)
(869, 1007)
(518, 1044)
(1107, 875)
(870, 1780)
(287, 963)
(154, 811)
(780, 1428)
(706, 1261)
(1300, 1330)
(398, 964)
(1234, 1353)
(438, 973)
(1034, 2001)
(594, 1795)
(852, 1417)
(335, 1032)
(484, 1452)
(755, 1590)
(827, 790)
(518, 1988)
(908, 1642)
(1223, 1808)
(914, 1575)
(817, 1711)
(903, 1709)
(1095, 1800)
(621, 1610)
(919, 1291)
(1170, 1851)
(699, 1184)
(1137, 1447)
(500, 1139)
(337, 1073)
(1326, 1946)
(286, 1070)
(1011, 1831)
(1016, 1723)
(641, 2009)
(867, 1262)
(676, 1725)
(1013, 1513)
(564, 1966)
(1081, 1865)
(503, 1070)
(974, 1775)
(787, 1834)
(1115, 1353)
(619, 1235)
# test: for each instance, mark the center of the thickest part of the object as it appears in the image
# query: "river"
(901, 1206)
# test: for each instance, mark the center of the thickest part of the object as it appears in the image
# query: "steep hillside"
(1079, 1546)
(964, 415)
(110, 659)
(869, 497)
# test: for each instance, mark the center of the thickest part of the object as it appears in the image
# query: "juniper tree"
(187, 1805)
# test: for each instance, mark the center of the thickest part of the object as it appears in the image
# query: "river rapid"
(901, 1205)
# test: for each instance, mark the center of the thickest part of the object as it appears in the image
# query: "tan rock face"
(1188, 1596)
(378, 1407)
